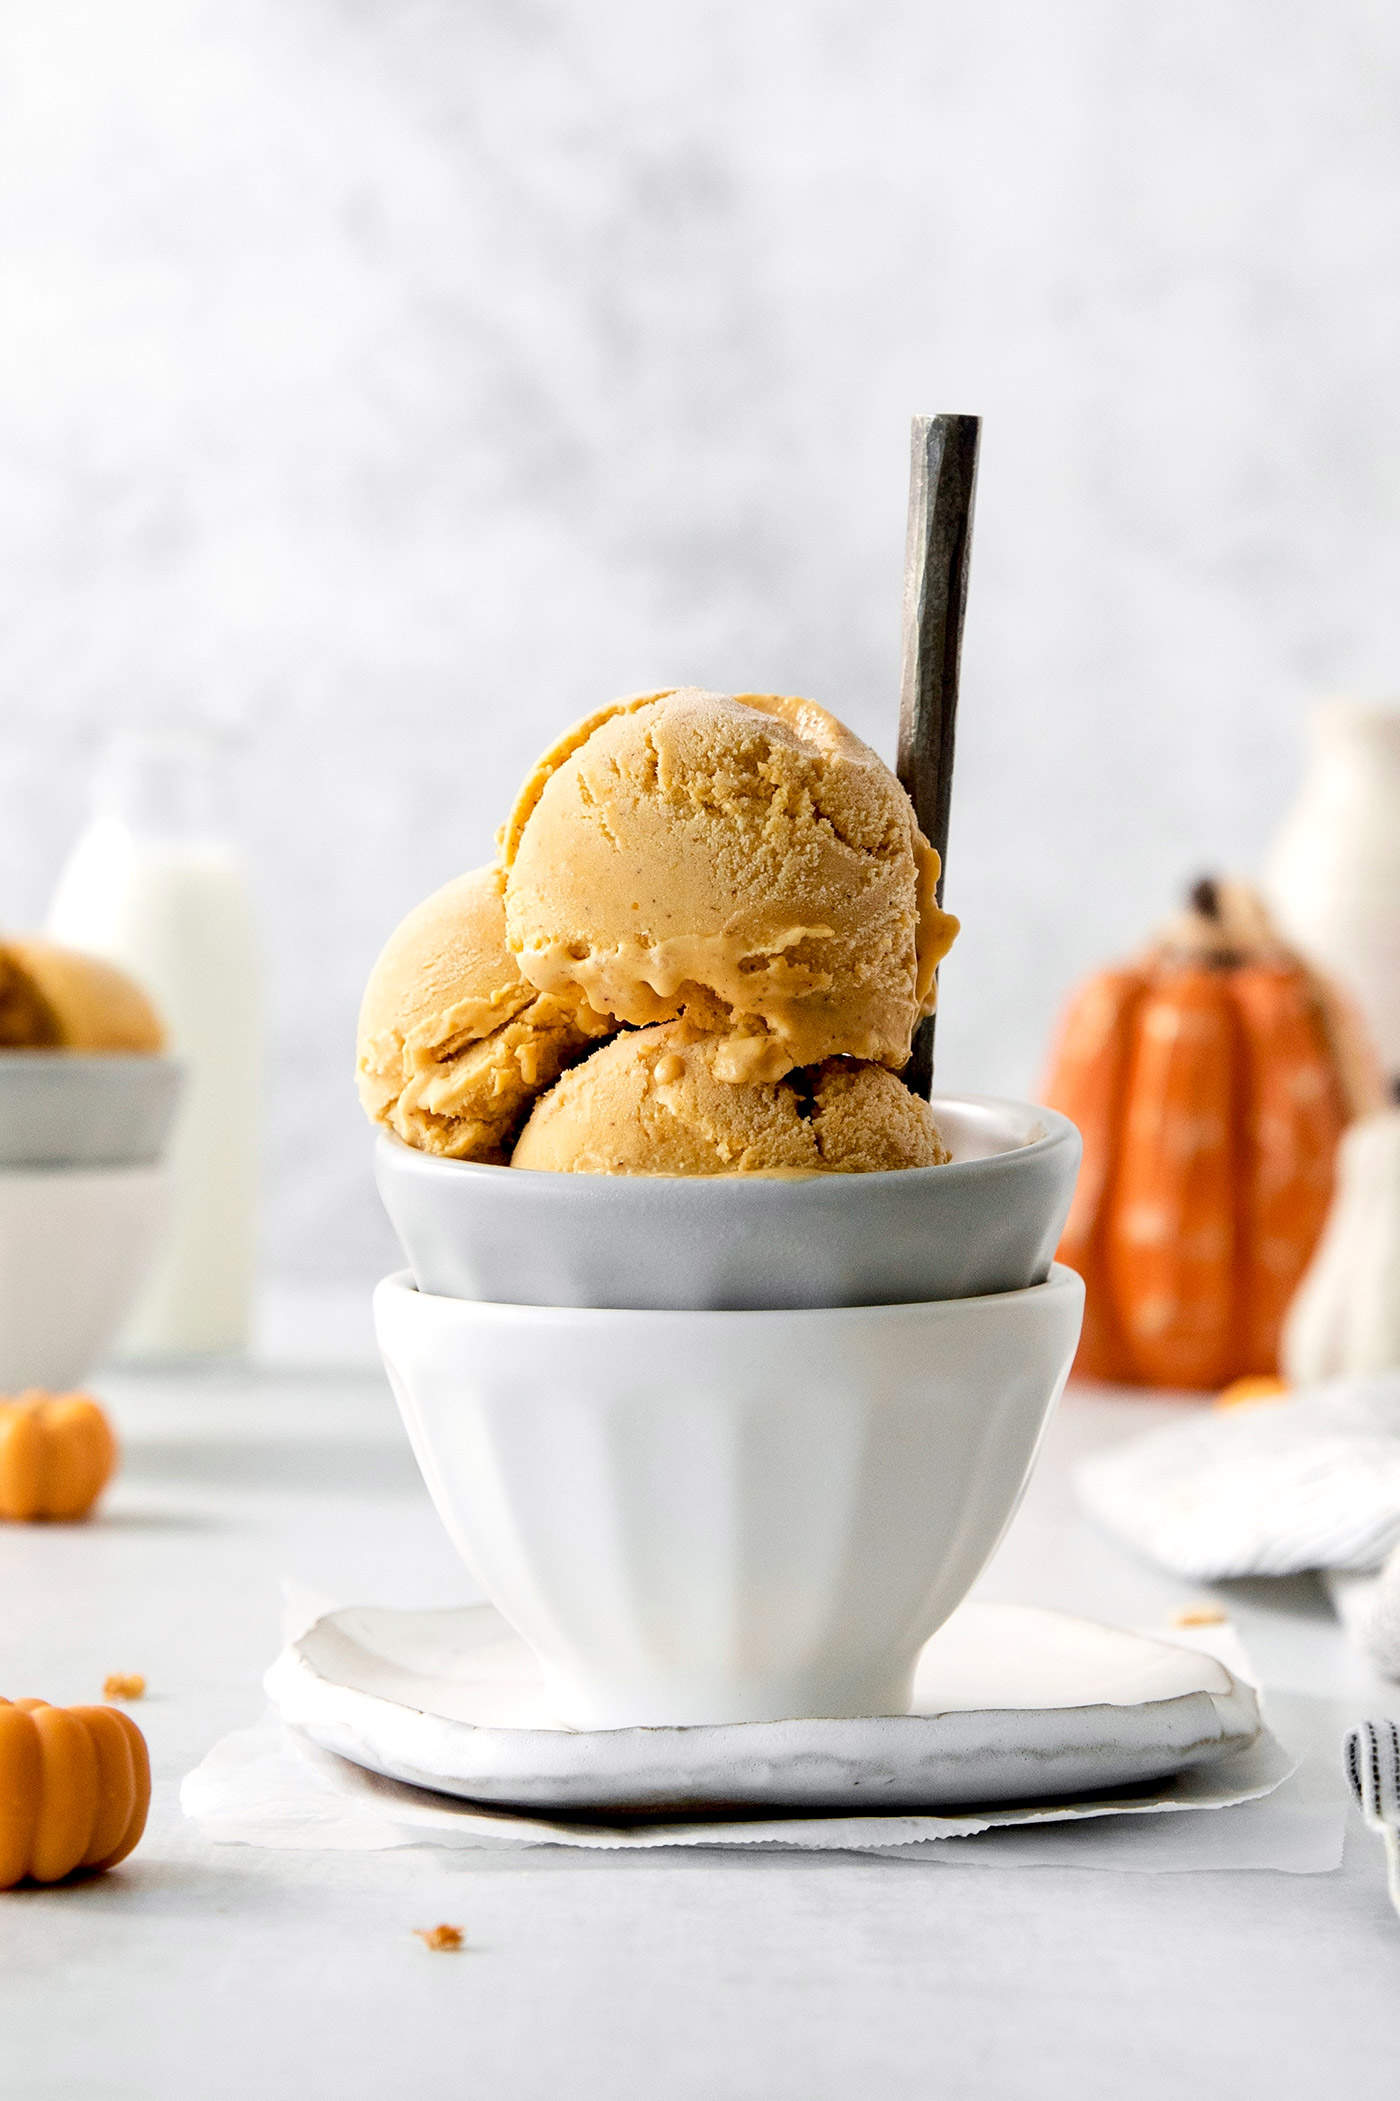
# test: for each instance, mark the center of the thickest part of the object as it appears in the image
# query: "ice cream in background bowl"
(648, 1063)
(57, 998)
(88, 1099)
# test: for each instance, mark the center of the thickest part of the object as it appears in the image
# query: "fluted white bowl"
(727, 1517)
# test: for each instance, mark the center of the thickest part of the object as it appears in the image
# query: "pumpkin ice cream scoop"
(54, 998)
(454, 1044)
(652, 1102)
(743, 861)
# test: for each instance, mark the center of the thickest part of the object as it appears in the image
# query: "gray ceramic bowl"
(988, 1221)
(81, 1109)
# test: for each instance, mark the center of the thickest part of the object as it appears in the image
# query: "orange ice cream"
(742, 861)
(652, 1102)
(53, 998)
(454, 1045)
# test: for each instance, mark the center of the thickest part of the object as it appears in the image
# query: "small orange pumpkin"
(57, 1453)
(75, 1786)
(1211, 1081)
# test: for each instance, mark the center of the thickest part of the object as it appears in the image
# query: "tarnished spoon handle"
(942, 488)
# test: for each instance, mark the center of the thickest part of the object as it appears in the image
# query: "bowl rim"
(54, 1061)
(1060, 1281)
(1058, 1134)
(101, 1173)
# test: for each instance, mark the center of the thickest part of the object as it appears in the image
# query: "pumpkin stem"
(1205, 898)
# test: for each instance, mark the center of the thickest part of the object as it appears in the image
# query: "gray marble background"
(394, 380)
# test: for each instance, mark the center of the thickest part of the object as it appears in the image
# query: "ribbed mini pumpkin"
(57, 1453)
(1212, 1080)
(75, 1786)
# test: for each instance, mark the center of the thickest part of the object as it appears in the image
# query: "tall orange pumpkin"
(1212, 1080)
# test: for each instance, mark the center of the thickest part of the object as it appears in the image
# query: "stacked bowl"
(727, 1384)
(731, 1448)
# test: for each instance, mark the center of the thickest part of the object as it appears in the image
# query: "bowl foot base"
(692, 1701)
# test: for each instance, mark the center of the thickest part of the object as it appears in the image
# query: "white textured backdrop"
(398, 379)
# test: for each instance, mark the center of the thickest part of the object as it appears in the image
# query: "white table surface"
(203, 1971)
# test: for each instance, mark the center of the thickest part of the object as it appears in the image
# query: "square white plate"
(1013, 1706)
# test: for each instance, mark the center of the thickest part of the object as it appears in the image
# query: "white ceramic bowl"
(85, 1109)
(989, 1220)
(74, 1248)
(727, 1517)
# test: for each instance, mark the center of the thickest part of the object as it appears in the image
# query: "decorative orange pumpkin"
(57, 1453)
(75, 1786)
(1211, 1080)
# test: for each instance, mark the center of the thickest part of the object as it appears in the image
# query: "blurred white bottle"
(1333, 874)
(156, 884)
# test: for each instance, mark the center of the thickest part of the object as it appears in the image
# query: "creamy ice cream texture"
(54, 998)
(454, 1045)
(735, 882)
(744, 861)
(651, 1102)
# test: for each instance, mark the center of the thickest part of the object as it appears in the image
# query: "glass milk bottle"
(156, 885)
(1333, 876)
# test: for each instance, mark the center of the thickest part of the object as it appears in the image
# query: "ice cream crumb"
(1199, 1616)
(124, 1685)
(440, 1937)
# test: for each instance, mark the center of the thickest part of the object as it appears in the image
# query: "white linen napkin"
(1265, 1489)
(1368, 1606)
(1383, 1634)
(1272, 1488)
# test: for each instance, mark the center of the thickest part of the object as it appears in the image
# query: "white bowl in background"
(989, 1220)
(75, 1244)
(727, 1517)
(63, 1108)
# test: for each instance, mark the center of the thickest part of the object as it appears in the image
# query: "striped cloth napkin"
(1371, 1755)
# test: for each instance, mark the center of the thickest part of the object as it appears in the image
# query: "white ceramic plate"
(1012, 1704)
